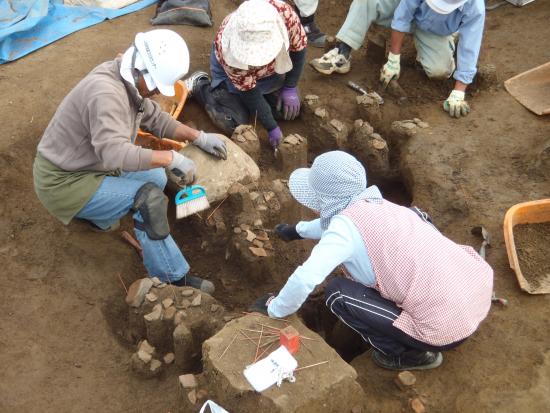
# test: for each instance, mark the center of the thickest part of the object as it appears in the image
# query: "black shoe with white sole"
(195, 282)
(422, 361)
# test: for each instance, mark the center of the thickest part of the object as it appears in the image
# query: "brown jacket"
(96, 124)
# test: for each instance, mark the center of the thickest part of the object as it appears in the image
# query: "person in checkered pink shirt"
(411, 292)
(256, 61)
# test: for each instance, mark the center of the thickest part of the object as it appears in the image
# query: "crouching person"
(411, 293)
(256, 62)
(87, 165)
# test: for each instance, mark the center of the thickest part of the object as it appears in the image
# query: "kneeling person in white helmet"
(433, 24)
(87, 166)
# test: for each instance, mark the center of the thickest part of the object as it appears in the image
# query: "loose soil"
(532, 242)
(63, 337)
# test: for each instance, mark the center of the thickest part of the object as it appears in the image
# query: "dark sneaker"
(95, 228)
(331, 62)
(196, 282)
(194, 80)
(424, 361)
(315, 37)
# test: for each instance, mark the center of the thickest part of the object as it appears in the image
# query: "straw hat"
(255, 35)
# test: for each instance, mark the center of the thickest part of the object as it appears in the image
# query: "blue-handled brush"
(190, 201)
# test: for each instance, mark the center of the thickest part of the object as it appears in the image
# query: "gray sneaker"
(332, 62)
(196, 282)
(193, 81)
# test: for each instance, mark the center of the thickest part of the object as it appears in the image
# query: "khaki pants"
(435, 53)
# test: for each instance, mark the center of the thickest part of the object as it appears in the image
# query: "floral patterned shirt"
(245, 80)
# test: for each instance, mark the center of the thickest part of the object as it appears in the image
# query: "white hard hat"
(445, 6)
(161, 56)
(255, 35)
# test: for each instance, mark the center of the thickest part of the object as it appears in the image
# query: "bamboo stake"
(122, 282)
(265, 350)
(215, 209)
(229, 345)
(248, 338)
(311, 365)
(258, 347)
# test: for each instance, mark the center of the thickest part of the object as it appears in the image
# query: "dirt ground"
(63, 343)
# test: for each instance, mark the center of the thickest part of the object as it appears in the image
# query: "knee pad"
(152, 204)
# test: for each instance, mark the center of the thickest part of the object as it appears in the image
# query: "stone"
(167, 302)
(237, 230)
(152, 297)
(188, 292)
(155, 314)
(338, 125)
(311, 97)
(250, 236)
(137, 291)
(258, 243)
(192, 396)
(258, 252)
(247, 139)
(245, 227)
(144, 356)
(196, 301)
(254, 196)
(369, 109)
(321, 112)
(161, 285)
(291, 140)
(217, 175)
(262, 236)
(184, 304)
(201, 394)
(405, 380)
(146, 347)
(269, 195)
(169, 358)
(214, 308)
(417, 406)
(326, 388)
(292, 156)
(278, 185)
(403, 129)
(179, 317)
(155, 366)
(262, 208)
(156, 281)
(258, 223)
(188, 381)
(169, 313)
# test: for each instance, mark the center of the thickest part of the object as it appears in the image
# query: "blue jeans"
(114, 199)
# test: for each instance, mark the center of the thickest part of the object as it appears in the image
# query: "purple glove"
(289, 102)
(275, 136)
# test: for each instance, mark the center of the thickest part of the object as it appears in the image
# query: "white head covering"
(445, 6)
(335, 181)
(139, 64)
(255, 35)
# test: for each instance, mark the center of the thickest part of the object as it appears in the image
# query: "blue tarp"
(27, 25)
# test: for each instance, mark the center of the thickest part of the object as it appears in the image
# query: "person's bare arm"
(396, 41)
(161, 158)
(185, 133)
(460, 86)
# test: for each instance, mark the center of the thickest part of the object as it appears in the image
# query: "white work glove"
(391, 69)
(183, 167)
(456, 105)
(210, 143)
